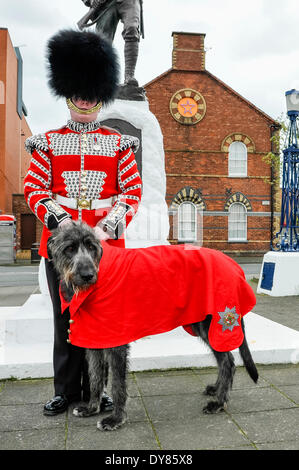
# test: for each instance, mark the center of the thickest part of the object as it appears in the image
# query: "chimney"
(188, 51)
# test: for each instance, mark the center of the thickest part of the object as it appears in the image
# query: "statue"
(106, 14)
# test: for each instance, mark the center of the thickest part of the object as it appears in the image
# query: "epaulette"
(38, 141)
(127, 141)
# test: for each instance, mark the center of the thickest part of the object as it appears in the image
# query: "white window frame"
(240, 238)
(181, 237)
(237, 156)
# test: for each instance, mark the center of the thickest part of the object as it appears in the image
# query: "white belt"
(82, 203)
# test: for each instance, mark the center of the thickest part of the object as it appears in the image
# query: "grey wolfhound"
(76, 255)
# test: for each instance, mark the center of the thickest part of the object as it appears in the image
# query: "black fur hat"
(82, 65)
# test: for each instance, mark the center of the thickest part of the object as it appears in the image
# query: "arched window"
(187, 222)
(237, 159)
(237, 223)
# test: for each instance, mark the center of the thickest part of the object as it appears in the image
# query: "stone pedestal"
(151, 224)
(279, 274)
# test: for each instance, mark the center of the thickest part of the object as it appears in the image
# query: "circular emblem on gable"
(187, 106)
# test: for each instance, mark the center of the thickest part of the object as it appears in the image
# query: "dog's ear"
(49, 243)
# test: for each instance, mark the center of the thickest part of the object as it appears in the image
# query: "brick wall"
(13, 129)
(196, 155)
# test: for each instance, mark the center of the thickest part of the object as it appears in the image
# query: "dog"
(76, 255)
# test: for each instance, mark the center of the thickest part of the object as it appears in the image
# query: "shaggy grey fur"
(76, 254)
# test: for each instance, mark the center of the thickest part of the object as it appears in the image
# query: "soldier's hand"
(65, 223)
(100, 234)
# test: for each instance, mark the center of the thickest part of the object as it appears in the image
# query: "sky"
(251, 46)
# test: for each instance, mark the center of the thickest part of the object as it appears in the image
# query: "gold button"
(71, 321)
(83, 188)
(69, 331)
(68, 340)
(84, 173)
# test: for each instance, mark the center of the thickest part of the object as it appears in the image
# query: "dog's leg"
(96, 370)
(223, 384)
(119, 364)
(226, 370)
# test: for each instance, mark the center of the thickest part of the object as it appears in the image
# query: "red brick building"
(214, 141)
(14, 129)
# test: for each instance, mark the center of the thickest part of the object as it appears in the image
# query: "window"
(187, 222)
(237, 159)
(237, 223)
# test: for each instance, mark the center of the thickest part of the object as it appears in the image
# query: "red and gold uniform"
(86, 172)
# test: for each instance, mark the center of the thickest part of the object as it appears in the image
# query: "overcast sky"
(252, 46)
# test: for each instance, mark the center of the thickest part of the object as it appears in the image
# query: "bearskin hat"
(82, 64)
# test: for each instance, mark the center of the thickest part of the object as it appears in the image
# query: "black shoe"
(57, 405)
(106, 403)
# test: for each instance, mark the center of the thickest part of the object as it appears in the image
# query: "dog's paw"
(210, 390)
(110, 423)
(214, 407)
(85, 411)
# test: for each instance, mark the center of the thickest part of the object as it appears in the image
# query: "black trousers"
(70, 367)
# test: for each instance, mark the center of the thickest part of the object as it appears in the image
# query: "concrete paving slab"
(257, 399)
(175, 407)
(138, 436)
(270, 426)
(23, 392)
(28, 416)
(200, 433)
(33, 439)
(282, 375)
(168, 384)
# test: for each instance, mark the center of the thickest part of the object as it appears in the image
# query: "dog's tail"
(247, 358)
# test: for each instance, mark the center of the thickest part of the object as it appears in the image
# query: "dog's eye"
(90, 246)
(70, 249)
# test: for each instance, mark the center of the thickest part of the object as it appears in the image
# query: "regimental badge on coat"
(228, 319)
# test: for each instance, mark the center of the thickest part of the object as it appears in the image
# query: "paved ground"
(164, 408)
(164, 413)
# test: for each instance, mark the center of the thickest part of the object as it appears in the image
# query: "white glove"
(100, 234)
(65, 223)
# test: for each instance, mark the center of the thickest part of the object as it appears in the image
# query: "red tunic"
(82, 161)
(146, 291)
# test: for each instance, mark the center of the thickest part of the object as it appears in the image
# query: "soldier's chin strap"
(73, 107)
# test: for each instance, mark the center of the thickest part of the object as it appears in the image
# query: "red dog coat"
(146, 291)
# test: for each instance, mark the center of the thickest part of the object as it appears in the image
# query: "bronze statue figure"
(106, 14)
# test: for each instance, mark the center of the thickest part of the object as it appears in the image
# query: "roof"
(224, 85)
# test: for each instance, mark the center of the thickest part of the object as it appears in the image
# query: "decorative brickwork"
(238, 197)
(238, 137)
(190, 195)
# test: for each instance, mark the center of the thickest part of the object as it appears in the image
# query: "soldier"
(81, 171)
(106, 14)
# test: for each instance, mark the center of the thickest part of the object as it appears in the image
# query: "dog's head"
(75, 253)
